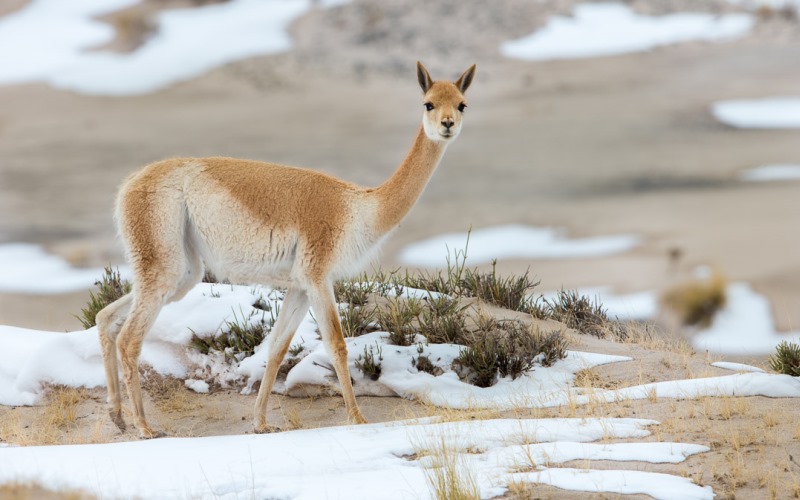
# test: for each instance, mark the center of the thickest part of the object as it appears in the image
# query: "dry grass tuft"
(170, 395)
(54, 424)
(447, 474)
(31, 491)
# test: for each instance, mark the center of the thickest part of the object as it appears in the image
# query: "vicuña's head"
(444, 104)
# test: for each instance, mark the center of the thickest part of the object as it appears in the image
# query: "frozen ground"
(50, 41)
(604, 29)
(743, 327)
(27, 268)
(367, 461)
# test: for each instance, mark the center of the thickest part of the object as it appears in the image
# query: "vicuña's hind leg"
(109, 323)
(143, 313)
(324, 306)
(293, 310)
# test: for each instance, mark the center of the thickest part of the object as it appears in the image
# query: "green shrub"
(786, 359)
(355, 292)
(424, 364)
(239, 337)
(579, 312)
(443, 320)
(511, 293)
(399, 318)
(357, 320)
(110, 287)
(507, 348)
(367, 364)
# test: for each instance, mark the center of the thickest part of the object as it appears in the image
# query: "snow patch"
(50, 41)
(737, 367)
(604, 29)
(28, 269)
(768, 113)
(513, 242)
(771, 173)
(199, 386)
(308, 464)
(743, 327)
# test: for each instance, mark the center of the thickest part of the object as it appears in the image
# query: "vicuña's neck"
(398, 194)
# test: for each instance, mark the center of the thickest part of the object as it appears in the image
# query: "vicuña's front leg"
(293, 310)
(324, 306)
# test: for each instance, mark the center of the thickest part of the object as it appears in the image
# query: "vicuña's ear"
(424, 77)
(463, 82)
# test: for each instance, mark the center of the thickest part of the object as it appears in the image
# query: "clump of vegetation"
(511, 292)
(423, 362)
(399, 318)
(579, 312)
(697, 302)
(508, 348)
(239, 337)
(367, 364)
(448, 475)
(291, 360)
(356, 313)
(109, 288)
(786, 359)
(443, 320)
(354, 293)
(357, 320)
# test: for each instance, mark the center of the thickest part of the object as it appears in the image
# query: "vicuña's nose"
(448, 122)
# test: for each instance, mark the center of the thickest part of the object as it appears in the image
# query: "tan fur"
(256, 222)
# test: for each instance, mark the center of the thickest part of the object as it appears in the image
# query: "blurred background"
(623, 148)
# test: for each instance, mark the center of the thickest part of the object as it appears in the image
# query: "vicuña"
(255, 222)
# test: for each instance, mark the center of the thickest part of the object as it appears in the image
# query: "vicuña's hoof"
(358, 419)
(267, 429)
(116, 417)
(151, 434)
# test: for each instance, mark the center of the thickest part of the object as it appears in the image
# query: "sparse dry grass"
(55, 422)
(170, 395)
(446, 472)
(31, 491)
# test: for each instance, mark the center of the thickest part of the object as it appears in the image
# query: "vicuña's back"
(256, 222)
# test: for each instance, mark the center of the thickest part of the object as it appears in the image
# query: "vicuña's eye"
(462, 107)
(429, 106)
